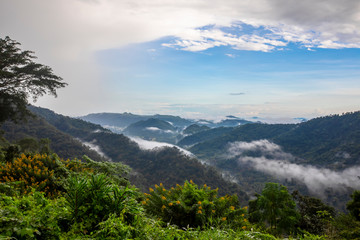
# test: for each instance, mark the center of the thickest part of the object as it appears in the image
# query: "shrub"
(35, 171)
(194, 206)
(93, 200)
(32, 216)
(46, 173)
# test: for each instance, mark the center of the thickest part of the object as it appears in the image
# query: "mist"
(92, 145)
(271, 159)
(151, 145)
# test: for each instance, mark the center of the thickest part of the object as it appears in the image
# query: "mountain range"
(252, 153)
(71, 137)
(319, 157)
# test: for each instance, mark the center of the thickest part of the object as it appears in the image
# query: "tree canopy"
(276, 207)
(21, 78)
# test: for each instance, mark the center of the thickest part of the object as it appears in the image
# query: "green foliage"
(92, 200)
(32, 145)
(347, 227)
(276, 207)
(20, 78)
(32, 217)
(354, 205)
(193, 206)
(116, 170)
(315, 215)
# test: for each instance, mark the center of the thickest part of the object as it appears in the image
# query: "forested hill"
(328, 146)
(331, 141)
(65, 145)
(168, 165)
(247, 133)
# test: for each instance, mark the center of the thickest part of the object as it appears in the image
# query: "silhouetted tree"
(21, 78)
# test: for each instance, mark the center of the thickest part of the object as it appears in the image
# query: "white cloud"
(70, 28)
(92, 145)
(66, 34)
(153, 129)
(152, 145)
(199, 40)
(277, 163)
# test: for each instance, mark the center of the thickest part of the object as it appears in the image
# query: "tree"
(315, 215)
(276, 207)
(21, 78)
(354, 205)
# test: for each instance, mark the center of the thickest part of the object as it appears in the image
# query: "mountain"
(203, 136)
(332, 141)
(232, 122)
(166, 165)
(320, 156)
(119, 121)
(229, 121)
(154, 130)
(214, 142)
(65, 145)
(194, 128)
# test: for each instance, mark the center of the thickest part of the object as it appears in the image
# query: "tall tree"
(276, 207)
(21, 78)
(315, 215)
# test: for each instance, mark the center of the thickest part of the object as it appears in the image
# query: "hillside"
(166, 165)
(65, 145)
(332, 141)
(153, 129)
(219, 138)
(203, 136)
(194, 128)
(319, 157)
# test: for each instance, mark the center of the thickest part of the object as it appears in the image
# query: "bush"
(45, 173)
(32, 217)
(35, 171)
(193, 206)
(93, 200)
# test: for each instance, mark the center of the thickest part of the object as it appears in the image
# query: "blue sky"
(193, 82)
(276, 60)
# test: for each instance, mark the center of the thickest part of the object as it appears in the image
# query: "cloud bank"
(274, 161)
(151, 145)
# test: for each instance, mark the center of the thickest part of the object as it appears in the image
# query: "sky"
(272, 59)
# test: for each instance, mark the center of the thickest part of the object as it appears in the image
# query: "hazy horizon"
(277, 60)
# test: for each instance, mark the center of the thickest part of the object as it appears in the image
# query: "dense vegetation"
(46, 197)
